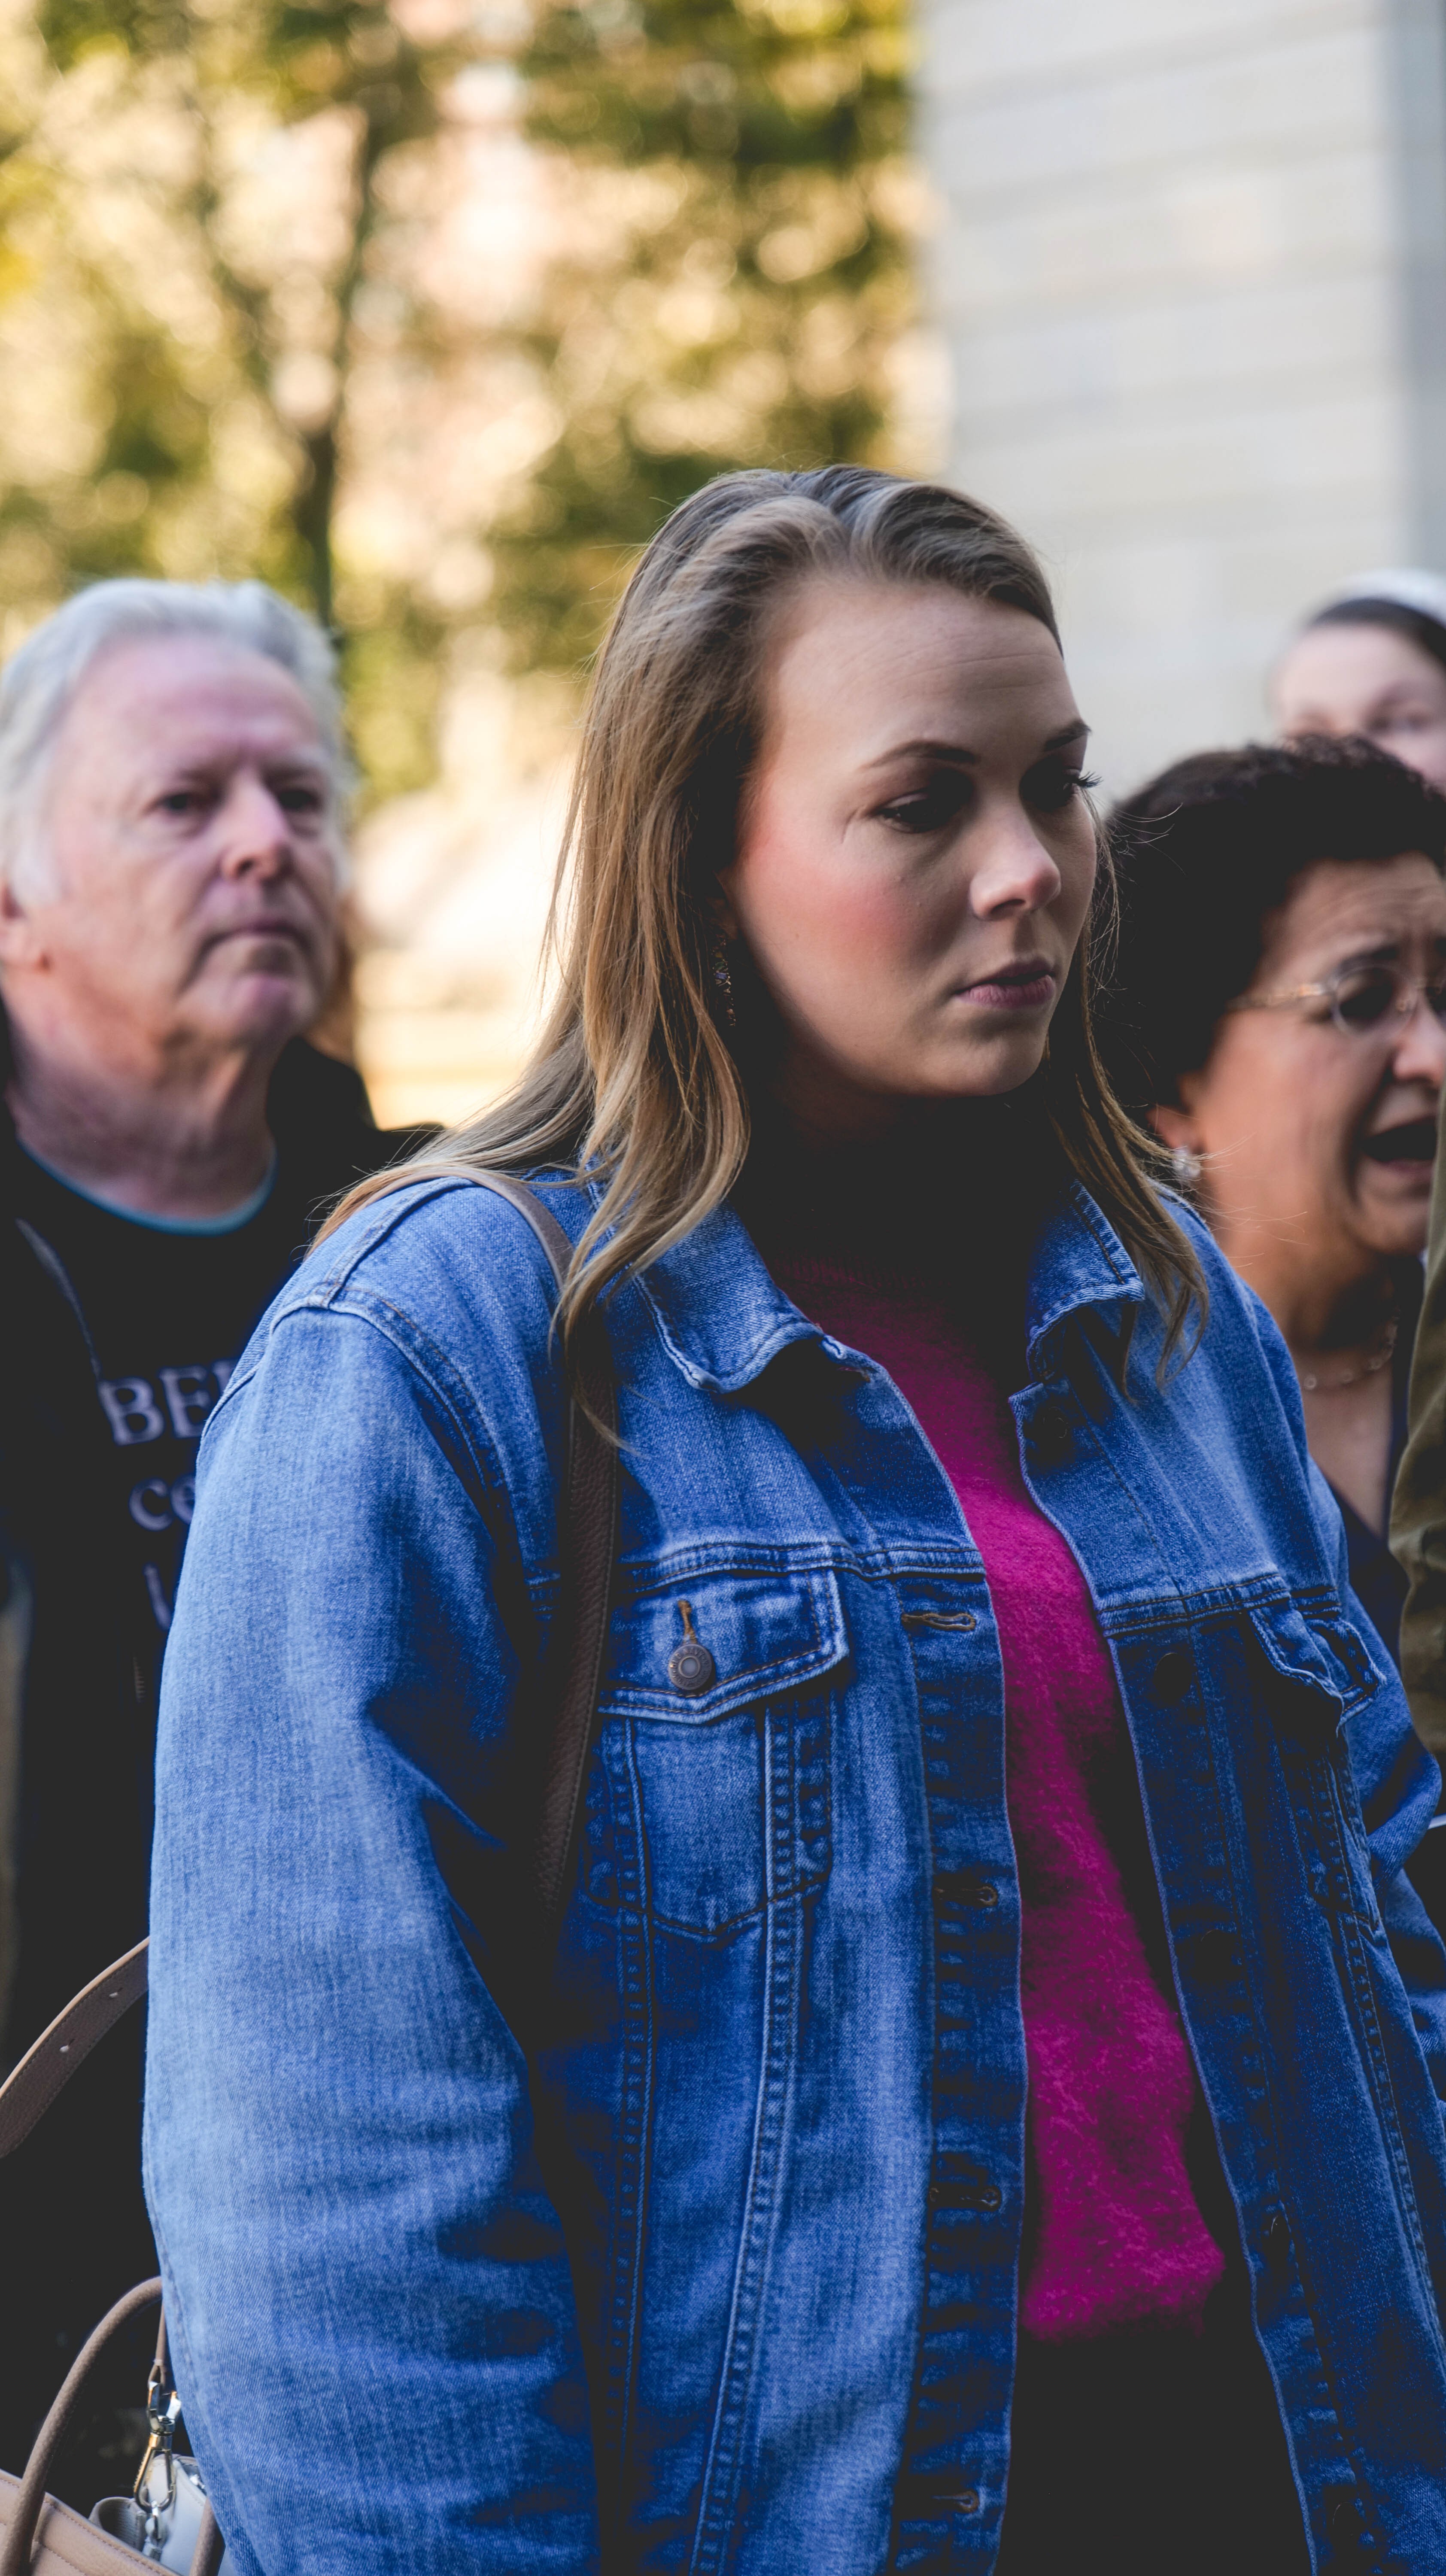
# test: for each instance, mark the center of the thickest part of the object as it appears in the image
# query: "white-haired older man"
(172, 782)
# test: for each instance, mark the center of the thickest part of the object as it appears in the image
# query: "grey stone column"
(1191, 273)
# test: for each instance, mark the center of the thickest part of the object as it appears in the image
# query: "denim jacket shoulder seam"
(436, 1371)
(416, 1350)
(389, 1209)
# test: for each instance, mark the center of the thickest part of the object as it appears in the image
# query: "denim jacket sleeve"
(370, 2301)
(1397, 1780)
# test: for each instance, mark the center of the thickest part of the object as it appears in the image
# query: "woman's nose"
(1419, 1053)
(1014, 871)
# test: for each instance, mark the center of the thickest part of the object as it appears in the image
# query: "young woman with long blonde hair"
(979, 2108)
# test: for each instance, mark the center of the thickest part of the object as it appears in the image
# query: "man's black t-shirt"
(95, 1489)
(168, 1310)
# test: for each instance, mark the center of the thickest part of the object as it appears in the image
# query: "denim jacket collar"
(722, 1319)
(1078, 1261)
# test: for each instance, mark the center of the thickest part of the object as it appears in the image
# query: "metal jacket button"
(1050, 1435)
(1214, 1957)
(926, 2491)
(973, 1891)
(1172, 1676)
(955, 1887)
(691, 1668)
(1344, 2524)
(966, 2191)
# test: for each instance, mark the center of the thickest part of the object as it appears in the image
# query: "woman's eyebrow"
(925, 750)
(962, 758)
(1384, 951)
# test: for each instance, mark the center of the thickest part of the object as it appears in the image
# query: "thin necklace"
(1381, 1350)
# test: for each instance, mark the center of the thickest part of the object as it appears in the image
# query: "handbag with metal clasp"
(43, 2538)
(165, 2516)
(38, 2536)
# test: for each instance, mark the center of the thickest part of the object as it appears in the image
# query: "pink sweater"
(1115, 2236)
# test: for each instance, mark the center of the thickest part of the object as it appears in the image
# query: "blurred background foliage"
(429, 312)
(742, 291)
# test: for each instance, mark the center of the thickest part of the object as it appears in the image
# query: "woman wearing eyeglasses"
(1280, 992)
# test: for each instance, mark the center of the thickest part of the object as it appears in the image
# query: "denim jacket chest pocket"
(716, 1705)
(1319, 1669)
(1319, 1673)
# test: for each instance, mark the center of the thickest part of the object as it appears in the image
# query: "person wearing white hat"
(1372, 661)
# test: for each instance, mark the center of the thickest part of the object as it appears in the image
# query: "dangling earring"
(1189, 1167)
(723, 977)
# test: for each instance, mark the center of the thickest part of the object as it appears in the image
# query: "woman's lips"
(1029, 987)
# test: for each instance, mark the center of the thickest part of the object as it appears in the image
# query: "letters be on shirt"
(172, 1413)
(168, 1314)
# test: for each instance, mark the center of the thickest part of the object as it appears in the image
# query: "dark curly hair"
(1203, 855)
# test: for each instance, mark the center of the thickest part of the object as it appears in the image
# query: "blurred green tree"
(733, 279)
(192, 200)
(429, 310)
(351, 61)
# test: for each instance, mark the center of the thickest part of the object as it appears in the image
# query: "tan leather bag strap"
(30, 2500)
(47, 2066)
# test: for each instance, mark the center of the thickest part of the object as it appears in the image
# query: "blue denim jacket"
(760, 2316)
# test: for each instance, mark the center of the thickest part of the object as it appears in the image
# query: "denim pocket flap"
(1322, 1667)
(705, 1644)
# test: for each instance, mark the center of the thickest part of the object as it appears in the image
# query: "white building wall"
(1192, 278)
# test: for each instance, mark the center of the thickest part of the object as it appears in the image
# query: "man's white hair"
(41, 679)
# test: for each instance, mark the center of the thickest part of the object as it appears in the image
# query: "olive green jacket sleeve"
(1418, 1510)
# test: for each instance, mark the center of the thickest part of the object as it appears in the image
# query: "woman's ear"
(1177, 1123)
(1175, 1128)
(721, 912)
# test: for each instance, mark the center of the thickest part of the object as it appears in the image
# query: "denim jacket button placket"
(1275, 2240)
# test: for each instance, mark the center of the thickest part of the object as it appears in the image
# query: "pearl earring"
(1189, 1167)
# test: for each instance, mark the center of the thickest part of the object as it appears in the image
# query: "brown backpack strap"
(587, 1539)
(47, 2067)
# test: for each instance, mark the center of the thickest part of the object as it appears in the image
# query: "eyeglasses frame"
(1411, 992)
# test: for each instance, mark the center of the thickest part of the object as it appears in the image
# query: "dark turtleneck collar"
(951, 1192)
(947, 1208)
